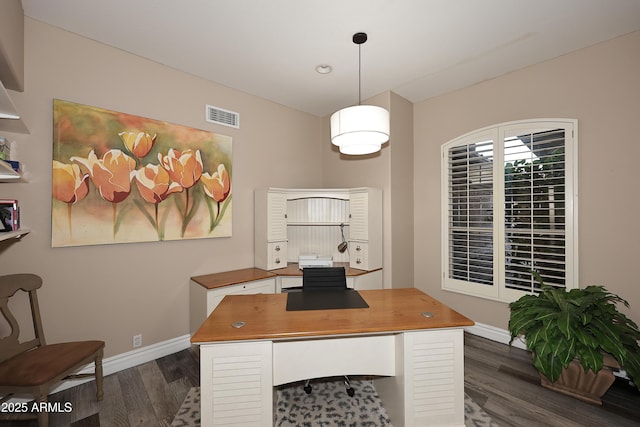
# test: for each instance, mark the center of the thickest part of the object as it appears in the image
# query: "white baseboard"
(494, 334)
(120, 362)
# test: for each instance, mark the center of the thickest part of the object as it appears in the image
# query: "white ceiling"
(270, 48)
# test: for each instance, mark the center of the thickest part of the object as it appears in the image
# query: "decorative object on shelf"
(342, 247)
(360, 129)
(9, 215)
(581, 327)
(7, 171)
(120, 178)
(4, 148)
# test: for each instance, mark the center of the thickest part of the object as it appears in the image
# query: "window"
(509, 208)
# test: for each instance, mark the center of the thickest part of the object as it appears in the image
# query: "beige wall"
(599, 86)
(113, 292)
(400, 199)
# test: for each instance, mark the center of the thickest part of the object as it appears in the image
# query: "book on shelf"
(9, 170)
(9, 215)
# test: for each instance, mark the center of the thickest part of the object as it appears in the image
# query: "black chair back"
(323, 278)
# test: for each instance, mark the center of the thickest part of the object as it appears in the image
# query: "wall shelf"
(7, 109)
(14, 234)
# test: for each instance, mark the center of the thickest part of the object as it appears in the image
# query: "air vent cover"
(222, 117)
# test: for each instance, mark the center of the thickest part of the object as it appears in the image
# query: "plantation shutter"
(534, 208)
(470, 166)
(508, 197)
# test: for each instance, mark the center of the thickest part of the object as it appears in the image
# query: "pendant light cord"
(359, 39)
(359, 74)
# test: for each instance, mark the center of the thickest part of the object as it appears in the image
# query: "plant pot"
(586, 386)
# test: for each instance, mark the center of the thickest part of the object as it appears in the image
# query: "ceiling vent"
(221, 116)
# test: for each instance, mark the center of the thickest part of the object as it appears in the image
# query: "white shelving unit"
(291, 222)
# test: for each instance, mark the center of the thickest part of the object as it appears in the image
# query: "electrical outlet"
(137, 341)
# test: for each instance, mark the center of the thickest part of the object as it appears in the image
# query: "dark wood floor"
(146, 395)
(503, 381)
(498, 378)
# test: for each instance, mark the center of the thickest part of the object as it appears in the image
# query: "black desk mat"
(324, 300)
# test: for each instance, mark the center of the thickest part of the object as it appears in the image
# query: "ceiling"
(270, 48)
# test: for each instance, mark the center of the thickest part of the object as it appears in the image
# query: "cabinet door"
(236, 381)
(277, 216)
(358, 255)
(276, 255)
(358, 217)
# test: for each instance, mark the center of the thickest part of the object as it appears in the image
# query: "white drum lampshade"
(361, 129)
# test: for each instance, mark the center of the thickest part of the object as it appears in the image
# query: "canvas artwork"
(120, 178)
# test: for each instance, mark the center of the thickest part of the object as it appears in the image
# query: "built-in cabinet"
(294, 222)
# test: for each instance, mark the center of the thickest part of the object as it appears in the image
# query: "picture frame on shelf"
(9, 215)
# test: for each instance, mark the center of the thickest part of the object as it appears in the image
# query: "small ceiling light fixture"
(324, 69)
(361, 129)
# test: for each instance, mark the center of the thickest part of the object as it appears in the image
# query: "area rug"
(328, 405)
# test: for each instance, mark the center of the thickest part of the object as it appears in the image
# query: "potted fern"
(577, 332)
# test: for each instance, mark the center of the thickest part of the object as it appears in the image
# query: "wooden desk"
(420, 358)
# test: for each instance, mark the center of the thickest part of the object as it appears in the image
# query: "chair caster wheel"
(307, 389)
(351, 392)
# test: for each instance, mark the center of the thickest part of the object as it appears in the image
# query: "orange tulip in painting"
(111, 175)
(138, 143)
(218, 185)
(69, 184)
(184, 167)
(154, 185)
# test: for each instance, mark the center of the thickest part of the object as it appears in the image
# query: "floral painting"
(120, 178)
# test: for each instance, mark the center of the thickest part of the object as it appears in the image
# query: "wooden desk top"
(266, 318)
(228, 278)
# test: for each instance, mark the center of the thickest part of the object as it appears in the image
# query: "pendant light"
(361, 129)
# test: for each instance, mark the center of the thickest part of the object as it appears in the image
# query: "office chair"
(318, 279)
(31, 366)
